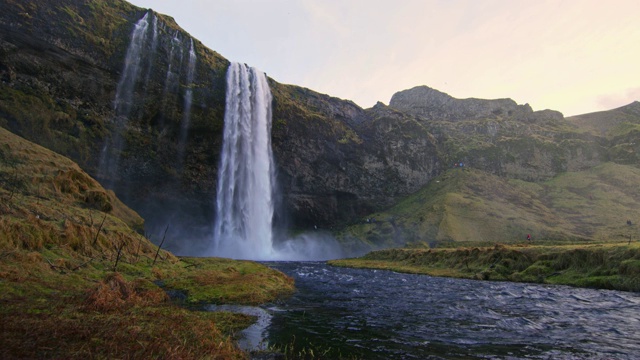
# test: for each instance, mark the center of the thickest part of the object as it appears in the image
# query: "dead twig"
(55, 267)
(119, 249)
(160, 246)
(82, 265)
(139, 246)
(99, 228)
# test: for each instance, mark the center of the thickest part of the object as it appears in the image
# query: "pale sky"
(574, 56)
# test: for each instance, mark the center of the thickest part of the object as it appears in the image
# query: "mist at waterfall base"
(247, 189)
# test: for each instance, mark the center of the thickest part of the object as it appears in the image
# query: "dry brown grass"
(116, 293)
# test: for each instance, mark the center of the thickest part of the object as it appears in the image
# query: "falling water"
(184, 128)
(170, 80)
(154, 47)
(123, 100)
(124, 91)
(244, 202)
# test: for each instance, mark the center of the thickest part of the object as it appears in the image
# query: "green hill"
(610, 123)
(466, 204)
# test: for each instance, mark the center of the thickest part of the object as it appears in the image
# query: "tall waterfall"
(246, 177)
(154, 47)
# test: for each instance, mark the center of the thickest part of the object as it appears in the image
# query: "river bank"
(613, 266)
(55, 304)
(78, 280)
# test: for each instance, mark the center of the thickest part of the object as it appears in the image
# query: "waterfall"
(124, 91)
(170, 80)
(246, 177)
(184, 128)
(154, 47)
(108, 167)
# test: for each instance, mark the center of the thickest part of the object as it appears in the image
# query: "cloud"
(615, 100)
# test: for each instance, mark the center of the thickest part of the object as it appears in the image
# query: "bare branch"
(160, 247)
(99, 228)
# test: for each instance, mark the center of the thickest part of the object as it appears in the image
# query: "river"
(376, 314)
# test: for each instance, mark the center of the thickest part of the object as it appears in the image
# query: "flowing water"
(122, 104)
(153, 51)
(244, 197)
(375, 314)
(188, 97)
(131, 71)
(191, 68)
(175, 60)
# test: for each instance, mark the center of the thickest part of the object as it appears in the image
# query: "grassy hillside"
(610, 123)
(77, 280)
(465, 204)
(607, 266)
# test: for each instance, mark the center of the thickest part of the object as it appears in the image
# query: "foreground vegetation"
(78, 280)
(605, 266)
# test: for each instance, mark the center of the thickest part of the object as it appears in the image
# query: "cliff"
(500, 136)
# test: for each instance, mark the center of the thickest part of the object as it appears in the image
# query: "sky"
(574, 56)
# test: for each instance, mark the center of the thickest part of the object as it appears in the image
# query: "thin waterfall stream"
(188, 98)
(122, 103)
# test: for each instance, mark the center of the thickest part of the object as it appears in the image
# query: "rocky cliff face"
(339, 162)
(501, 136)
(61, 63)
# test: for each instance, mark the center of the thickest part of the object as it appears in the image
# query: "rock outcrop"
(431, 104)
(339, 162)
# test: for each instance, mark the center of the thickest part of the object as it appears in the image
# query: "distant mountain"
(621, 129)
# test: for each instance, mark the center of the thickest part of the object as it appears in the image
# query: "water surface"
(375, 314)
